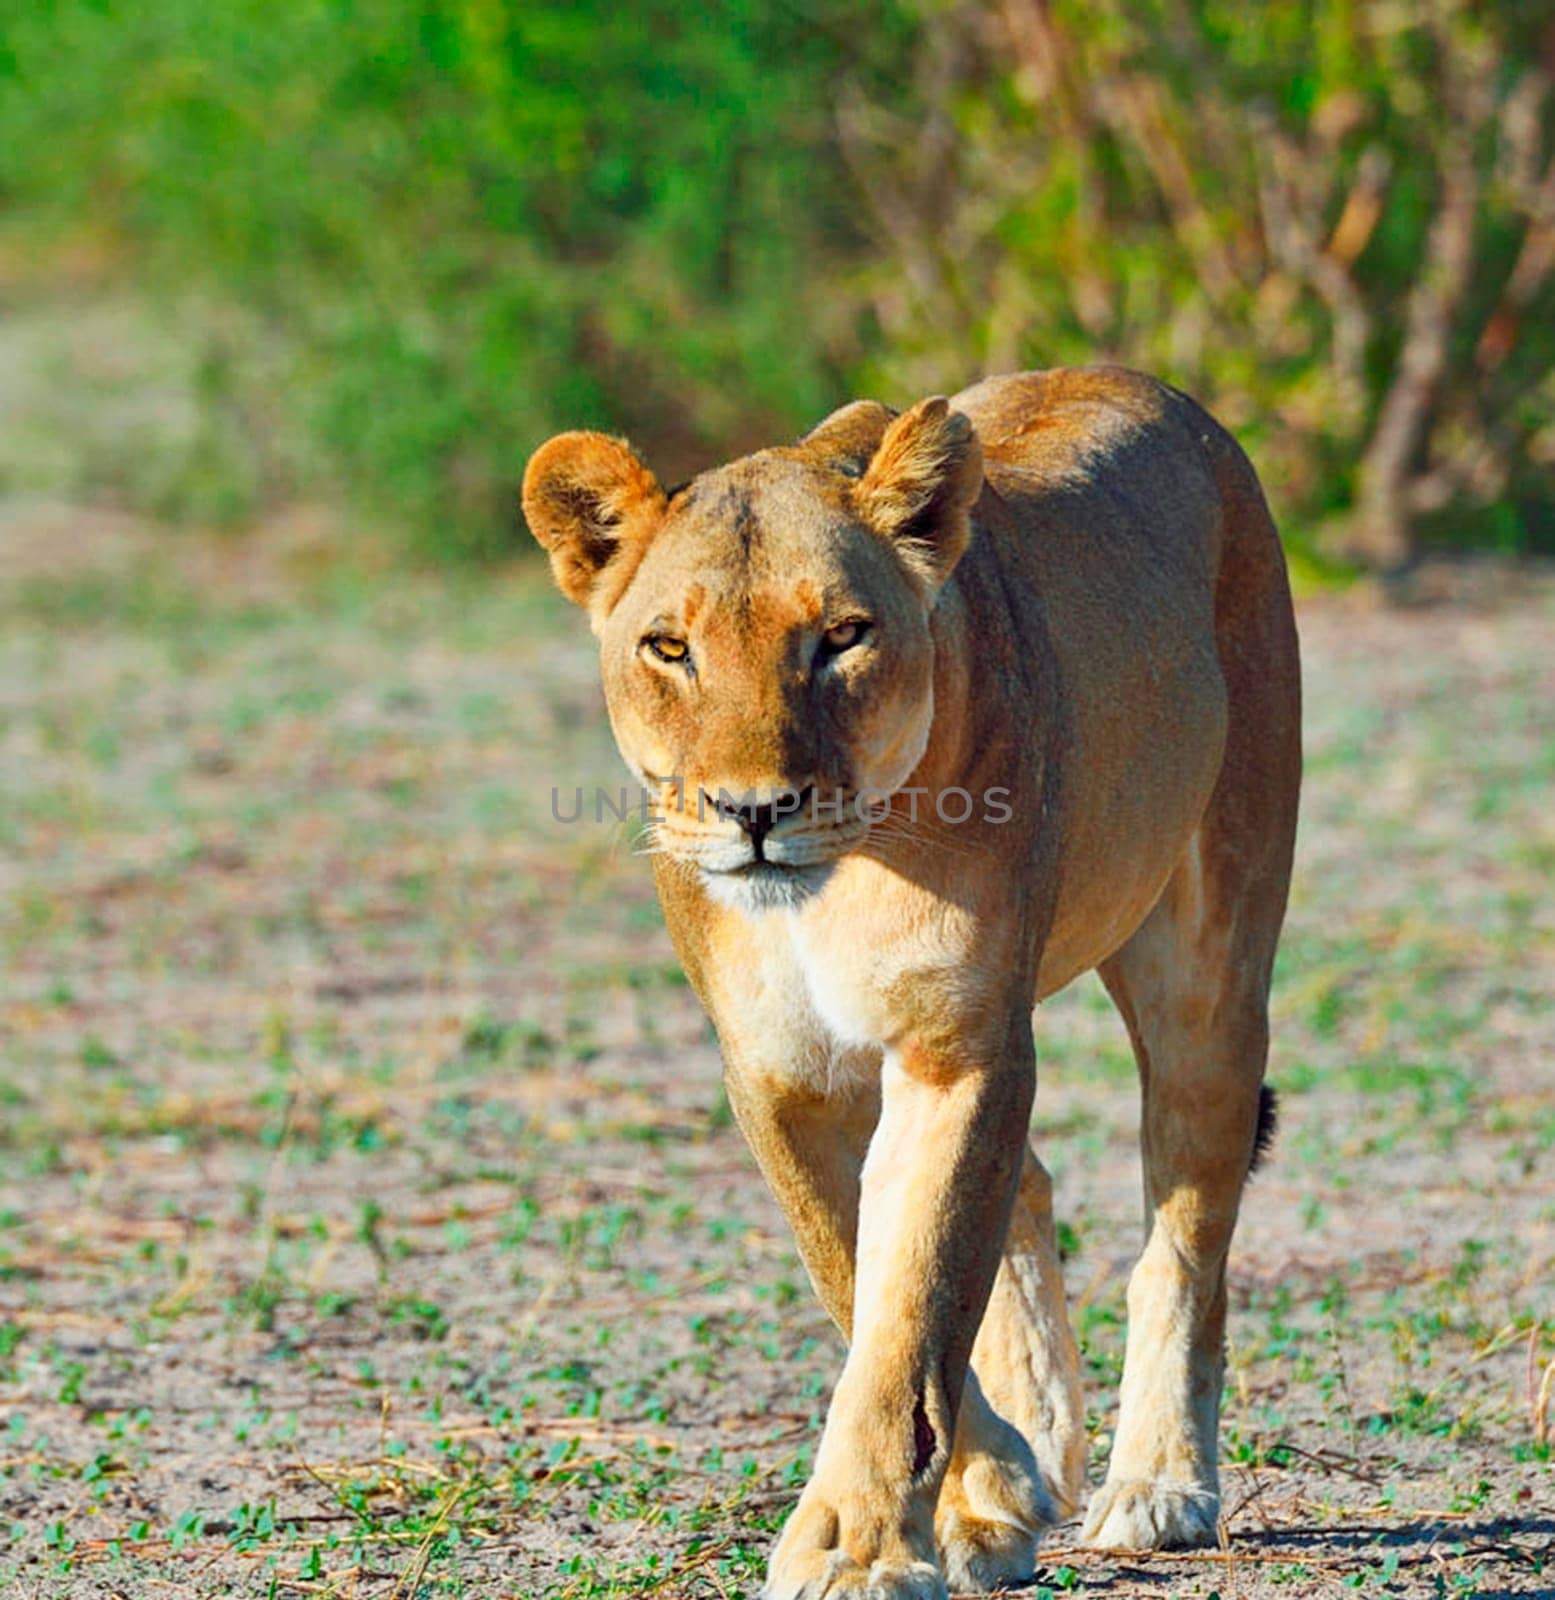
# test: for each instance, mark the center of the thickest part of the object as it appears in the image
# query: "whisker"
(893, 830)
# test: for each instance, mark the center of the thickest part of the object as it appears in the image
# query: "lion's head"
(764, 631)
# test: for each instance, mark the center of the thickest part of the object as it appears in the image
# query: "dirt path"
(370, 1219)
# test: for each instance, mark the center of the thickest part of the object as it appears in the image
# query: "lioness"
(1062, 590)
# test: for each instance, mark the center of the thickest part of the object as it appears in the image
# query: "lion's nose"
(758, 820)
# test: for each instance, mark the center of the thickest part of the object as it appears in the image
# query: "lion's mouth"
(763, 867)
(763, 885)
(725, 853)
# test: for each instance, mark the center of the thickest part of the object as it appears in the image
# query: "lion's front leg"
(1019, 1461)
(937, 1189)
(1008, 1480)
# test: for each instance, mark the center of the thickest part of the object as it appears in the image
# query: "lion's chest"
(842, 991)
(878, 959)
(817, 993)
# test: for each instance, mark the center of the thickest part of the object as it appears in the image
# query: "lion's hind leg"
(1193, 985)
(1197, 1017)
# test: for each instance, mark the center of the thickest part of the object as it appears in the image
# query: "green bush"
(1332, 221)
(407, 241)
(467, 223)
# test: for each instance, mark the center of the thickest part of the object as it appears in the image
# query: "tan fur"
(928, 469)
(599, 510)
(1075, 598)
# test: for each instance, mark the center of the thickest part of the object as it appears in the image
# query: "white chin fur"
(765, 887)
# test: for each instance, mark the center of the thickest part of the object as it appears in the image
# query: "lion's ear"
(920, 485)
(592, 504)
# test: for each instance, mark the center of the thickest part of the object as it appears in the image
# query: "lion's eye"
(845, 635)
(666, 648)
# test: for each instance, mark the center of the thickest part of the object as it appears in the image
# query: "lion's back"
(1079, 419)
(1102, 471)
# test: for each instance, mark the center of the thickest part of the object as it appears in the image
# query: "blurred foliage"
(470, 222)
(1331, 220)
(425, 233)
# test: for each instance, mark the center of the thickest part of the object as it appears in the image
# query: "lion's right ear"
(593, 505)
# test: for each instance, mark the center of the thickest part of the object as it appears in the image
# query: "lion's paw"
(979, 1556)
(811, 1560)
(1138, 1514)
(990, 1516)
(834, 1575)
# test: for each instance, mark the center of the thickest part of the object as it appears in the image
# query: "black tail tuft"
(1268, 1125)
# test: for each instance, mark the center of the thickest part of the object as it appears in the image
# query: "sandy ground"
(371, 1221)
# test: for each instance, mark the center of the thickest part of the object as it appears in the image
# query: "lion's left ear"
(594, 506)
(921, 484)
